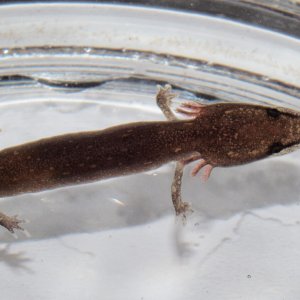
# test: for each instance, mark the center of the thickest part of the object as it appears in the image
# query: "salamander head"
(242, 133)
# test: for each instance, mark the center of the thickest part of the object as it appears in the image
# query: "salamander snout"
(244, 133)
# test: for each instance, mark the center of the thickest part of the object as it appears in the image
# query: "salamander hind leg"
(181, 207)
(164, 97)
(10, 223)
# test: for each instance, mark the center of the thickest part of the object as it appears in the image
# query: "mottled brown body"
(89, 156)
(218, 135)
(224, 135)
(242, 133)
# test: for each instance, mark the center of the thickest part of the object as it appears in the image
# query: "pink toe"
(206, 172)
(201, 163)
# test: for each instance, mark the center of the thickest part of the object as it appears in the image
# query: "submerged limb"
(181, 207)
(10, 223)
(163, 101)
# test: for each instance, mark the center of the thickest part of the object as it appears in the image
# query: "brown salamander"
(218, 135)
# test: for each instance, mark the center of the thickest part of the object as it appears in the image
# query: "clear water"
(118, 238)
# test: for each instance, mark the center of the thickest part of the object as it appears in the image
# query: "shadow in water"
(143, 198)
(15, 260)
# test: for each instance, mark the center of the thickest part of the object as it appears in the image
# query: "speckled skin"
(89, 156)
(218, 135)
(224, 135)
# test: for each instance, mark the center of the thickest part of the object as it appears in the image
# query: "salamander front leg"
(10, 223)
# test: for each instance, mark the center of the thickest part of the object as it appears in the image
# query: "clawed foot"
(191, 109)
(183, 209)
(165, 94)
(163, 100)
(10, 223)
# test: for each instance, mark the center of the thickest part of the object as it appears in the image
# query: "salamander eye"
(273, 112)
(276, 148)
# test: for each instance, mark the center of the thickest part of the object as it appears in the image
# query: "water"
(118, 238)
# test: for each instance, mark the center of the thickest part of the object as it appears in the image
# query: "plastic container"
(70, 67)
